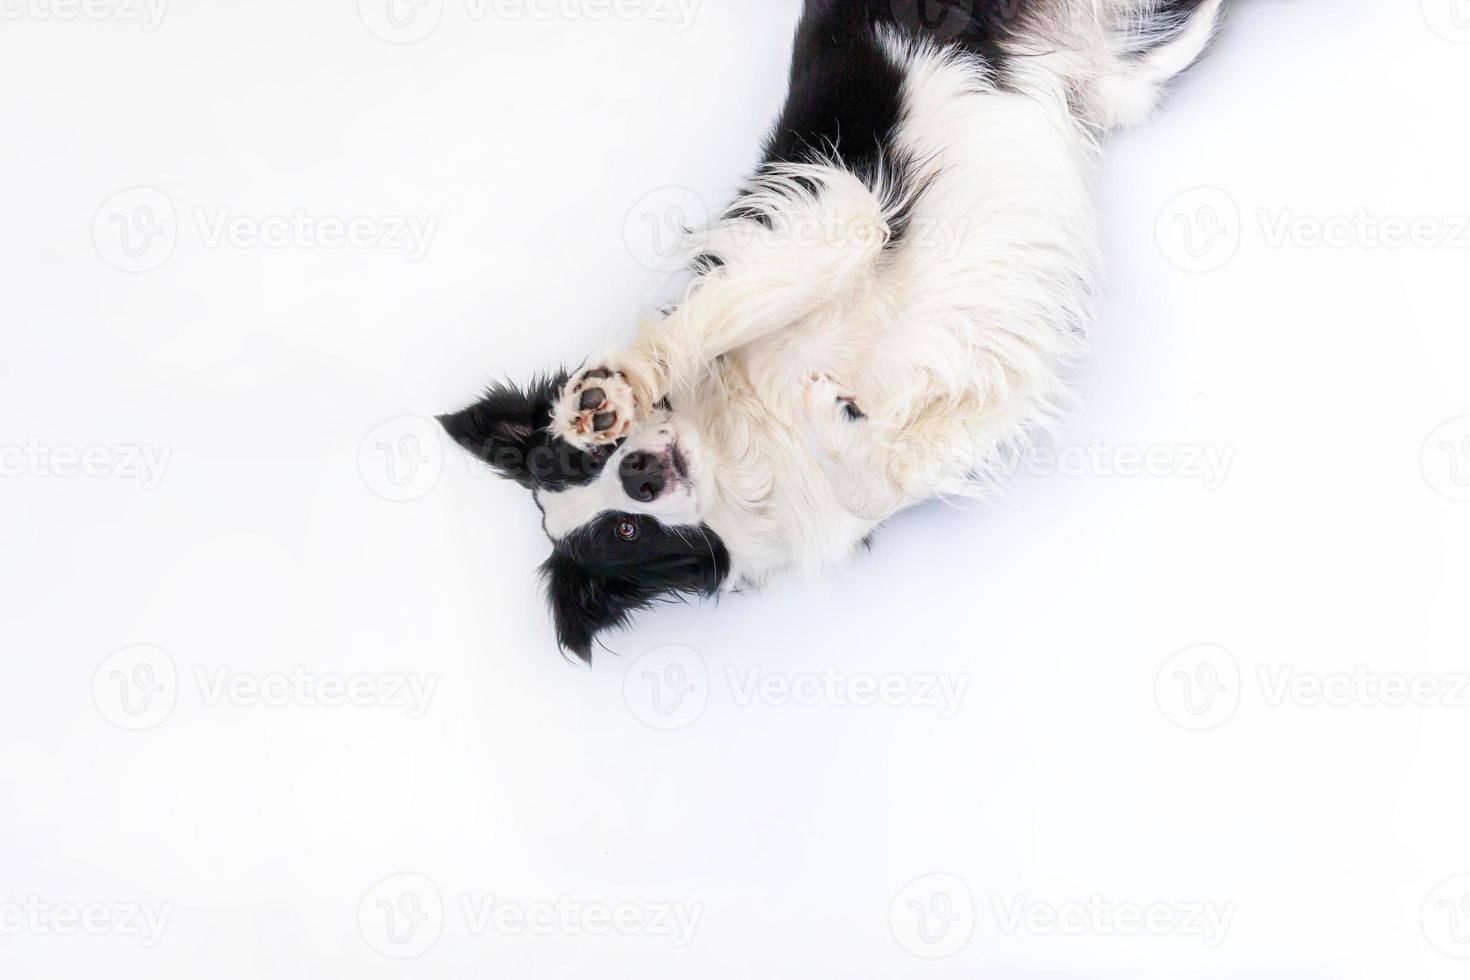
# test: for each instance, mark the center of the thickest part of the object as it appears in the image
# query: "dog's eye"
(627, 530)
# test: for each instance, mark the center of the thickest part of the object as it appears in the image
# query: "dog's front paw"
(597, 407)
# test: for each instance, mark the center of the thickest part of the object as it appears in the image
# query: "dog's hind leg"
(878, 466)
(852, 450)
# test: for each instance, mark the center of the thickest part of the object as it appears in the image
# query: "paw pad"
(596, 408)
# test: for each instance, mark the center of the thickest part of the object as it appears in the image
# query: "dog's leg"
(802, 238)
(855, 451)
(600, 405)
(879, 466)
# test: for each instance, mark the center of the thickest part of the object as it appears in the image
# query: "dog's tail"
(1151, 41)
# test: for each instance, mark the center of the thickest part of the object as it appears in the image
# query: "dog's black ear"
(582, 604)
(506, 425)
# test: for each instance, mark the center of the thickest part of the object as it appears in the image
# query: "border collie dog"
(882, 314)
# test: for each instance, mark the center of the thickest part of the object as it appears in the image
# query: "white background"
(1072, 771)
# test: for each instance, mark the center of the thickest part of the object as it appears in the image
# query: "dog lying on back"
(885, 310)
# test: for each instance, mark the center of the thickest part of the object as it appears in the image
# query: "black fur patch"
(1176, 10)
(595, 579)
(846, 95)
(509, 428)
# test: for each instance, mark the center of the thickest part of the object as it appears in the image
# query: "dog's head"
(625, 521)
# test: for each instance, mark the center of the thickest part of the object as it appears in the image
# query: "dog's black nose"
(642, 475)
